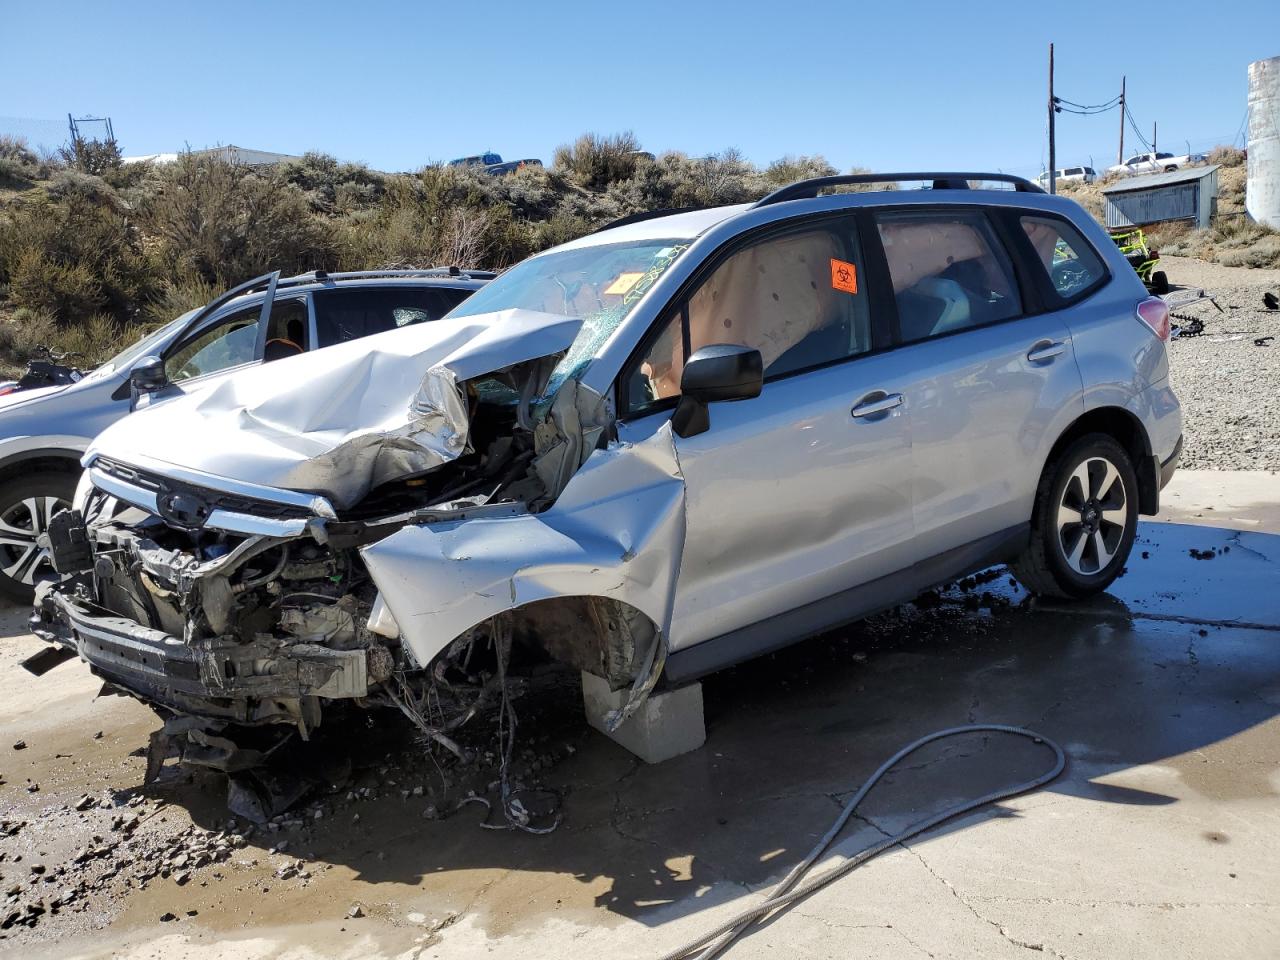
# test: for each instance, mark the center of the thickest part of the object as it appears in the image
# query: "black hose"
(783, 896)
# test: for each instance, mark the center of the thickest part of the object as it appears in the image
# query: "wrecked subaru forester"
(926, 384)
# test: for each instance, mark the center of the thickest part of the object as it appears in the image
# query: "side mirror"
(147, 376)
(722, 371)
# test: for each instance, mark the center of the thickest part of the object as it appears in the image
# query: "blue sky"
(396, 85)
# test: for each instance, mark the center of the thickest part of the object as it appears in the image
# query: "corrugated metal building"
(1187, 194)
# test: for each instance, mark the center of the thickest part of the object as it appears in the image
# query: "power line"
(1114, 101)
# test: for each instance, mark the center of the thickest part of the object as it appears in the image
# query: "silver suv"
(44, 432)
(649, 453)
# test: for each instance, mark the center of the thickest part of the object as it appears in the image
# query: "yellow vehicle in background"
(1133, 244)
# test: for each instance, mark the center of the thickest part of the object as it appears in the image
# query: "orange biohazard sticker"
(844, 276)
(622, 283)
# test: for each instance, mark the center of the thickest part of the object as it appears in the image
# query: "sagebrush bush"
(595, 161)
(19, 164)
(226, 223)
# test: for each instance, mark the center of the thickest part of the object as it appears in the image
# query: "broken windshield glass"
(599, 284)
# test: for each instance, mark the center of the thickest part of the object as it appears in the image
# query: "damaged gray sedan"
(926, 383)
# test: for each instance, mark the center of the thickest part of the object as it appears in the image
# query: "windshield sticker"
(844, 275)
(663, 260)
(622, 283)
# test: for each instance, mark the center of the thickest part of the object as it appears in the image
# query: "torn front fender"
(617, 531)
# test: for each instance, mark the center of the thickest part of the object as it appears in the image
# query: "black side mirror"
(147, 376)
(722, 371)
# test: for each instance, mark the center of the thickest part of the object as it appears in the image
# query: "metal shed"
(1187, 194)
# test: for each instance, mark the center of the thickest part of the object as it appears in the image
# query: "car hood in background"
(341, 420)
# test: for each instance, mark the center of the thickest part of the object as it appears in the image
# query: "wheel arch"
(62, 459)
(1127, 430)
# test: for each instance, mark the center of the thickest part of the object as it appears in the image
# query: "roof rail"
(646, 215)
(324, 276)
(808, 189)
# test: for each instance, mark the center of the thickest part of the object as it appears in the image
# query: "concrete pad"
(1161, 839)
(666, 725)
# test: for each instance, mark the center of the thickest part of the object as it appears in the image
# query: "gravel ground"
(1229, 386)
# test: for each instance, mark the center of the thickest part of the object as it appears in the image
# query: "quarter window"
(1072, 265)
(798, 298)
(949, 273)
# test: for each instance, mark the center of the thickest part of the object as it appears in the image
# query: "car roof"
(690, 224)
(676, 226)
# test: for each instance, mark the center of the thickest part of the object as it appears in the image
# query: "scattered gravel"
(1228, 385)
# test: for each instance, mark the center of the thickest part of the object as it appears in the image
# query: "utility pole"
(1153, 138)
(1053, 158)
(1120, 152)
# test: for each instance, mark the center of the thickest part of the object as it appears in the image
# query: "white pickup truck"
(1155, 163)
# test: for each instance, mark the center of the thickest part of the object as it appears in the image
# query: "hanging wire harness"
(786, 893)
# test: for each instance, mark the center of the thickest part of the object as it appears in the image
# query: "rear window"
(356, 312)
(1072, 265)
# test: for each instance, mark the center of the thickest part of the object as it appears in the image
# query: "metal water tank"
(1262, 193)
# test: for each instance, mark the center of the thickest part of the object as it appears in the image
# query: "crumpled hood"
(341, 420)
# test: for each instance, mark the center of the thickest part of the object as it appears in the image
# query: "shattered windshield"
(599, 284)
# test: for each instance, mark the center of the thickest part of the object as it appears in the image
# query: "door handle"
(1045, 350)
(876, 402)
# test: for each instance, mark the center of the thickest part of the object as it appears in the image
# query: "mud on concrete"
(1160, 840)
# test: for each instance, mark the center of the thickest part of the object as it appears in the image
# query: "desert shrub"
(19, 164)
(175, 297)
(1227, 156)
(790, 169)
(91, 156)
(595, 161)
(73, 254)
(226, 223)
(67, 290)
(331, 186)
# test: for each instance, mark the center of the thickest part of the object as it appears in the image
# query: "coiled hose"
(786, 893)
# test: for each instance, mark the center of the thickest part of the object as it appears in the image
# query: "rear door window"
(352, 313)
(1073, 267)
(949, 272)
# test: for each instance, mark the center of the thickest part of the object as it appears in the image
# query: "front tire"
(1084, 520)
(27, 503)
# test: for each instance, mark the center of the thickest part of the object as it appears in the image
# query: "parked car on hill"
(45, 430)
(649, 453)
(1155, 163)
(493, 163)
(1076, 174)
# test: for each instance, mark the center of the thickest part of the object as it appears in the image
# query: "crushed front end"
(210, 605)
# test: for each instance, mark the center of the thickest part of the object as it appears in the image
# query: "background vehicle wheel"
(26, 504)
(1160, 283)
(1084, 520)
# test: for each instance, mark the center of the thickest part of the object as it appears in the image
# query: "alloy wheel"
(22, 555)
(1092, 516)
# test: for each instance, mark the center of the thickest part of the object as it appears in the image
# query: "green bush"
(595, 161)
(91, 156)
(73, 253)
(226, 223)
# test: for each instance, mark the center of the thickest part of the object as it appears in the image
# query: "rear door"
(988, 376)
(803, 492)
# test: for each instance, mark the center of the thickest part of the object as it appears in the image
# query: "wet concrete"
(1161, 839)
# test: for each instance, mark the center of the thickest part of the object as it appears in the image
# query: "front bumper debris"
(238, 682)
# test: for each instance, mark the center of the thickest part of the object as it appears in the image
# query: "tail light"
(8, 389)
(1154, 312)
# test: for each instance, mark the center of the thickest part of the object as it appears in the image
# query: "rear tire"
(27, 502)
(1159, 283)
(1084, 520)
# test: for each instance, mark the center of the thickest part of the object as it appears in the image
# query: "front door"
(803, 492)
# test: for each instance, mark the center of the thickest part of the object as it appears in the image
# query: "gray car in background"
(44, 431)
